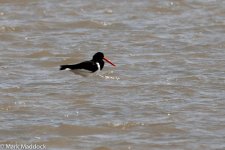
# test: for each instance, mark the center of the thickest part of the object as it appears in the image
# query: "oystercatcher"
(91, 66)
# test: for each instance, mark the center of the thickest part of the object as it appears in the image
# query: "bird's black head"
(98, 56)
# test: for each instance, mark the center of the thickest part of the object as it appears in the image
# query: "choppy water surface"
(166, 93)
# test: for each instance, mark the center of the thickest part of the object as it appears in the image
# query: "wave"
(92, 24)
(124, 126)
(43, 53)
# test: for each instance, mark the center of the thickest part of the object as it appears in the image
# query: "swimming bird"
(86, 67)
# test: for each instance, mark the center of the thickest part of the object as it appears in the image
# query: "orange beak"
(108, 61)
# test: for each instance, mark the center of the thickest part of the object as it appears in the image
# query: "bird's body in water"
(88, 67)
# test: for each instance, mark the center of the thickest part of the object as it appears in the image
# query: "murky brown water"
(166, 93)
